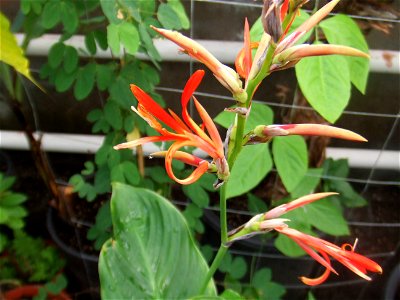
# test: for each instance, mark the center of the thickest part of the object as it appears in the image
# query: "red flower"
(314, 246)
(185, 132)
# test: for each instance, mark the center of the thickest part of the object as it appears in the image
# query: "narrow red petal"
(211, 128)
(154, 108)
(284, 9)
(247, 48)
(185, 157)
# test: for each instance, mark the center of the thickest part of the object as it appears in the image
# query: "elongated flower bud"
(271, 18)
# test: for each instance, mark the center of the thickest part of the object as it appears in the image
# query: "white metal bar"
(80, 143)
(382, 61)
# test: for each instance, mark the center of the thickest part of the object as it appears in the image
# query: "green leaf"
(238, 268)
(261, 277)
(113, 115)
(10, 52)
(104, 76)
(260, 114)
(286, 245)
(180, 11)
(291, 159)
(197, 194)
(231, 295)
(64, 81)
(51, 14)
(308, 183)
(113, 38)
(71, 59)
(101, 38)
(251, 166)
(255, 204)
(153, 254)
(111, 10)
(12, 199)
(69, 17)
(129, 37)
(168, 18)
(6, 182)
(325, 82)
(327, 217)
(84, 81)
(342, 30)
(56, 54)
(348, 196)
(90, 43)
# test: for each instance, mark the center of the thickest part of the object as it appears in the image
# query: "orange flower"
(185, 132)
(317, 248)
(314, 246)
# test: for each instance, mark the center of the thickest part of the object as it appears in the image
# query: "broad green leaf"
(104, 76)
(197, 194)
(90, 43)
(10, 52)
(291, 159)
(71, 59)
(325, 82)
(251, 166)
(255, 204)
(6, 182)
(113, 38)
(168, 17)
(260, 114)
(63, 80)
(56, 54)
(231, 295)
(101, 38)
(238, 268)
(129, 37)
(113, 115)
(111, 9)
(308, 183)
(342, 30)
(327, 217)
(84, 81)
(69, 17)
(12, 199)
(347, 195)
(286, 245)
(152, 255)
(51, 14)
(180, 11)
(261, 277)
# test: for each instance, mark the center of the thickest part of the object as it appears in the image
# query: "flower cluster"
(317, 248)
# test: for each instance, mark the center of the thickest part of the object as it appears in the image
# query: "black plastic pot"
(82, 266)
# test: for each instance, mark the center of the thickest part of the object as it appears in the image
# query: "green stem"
(224, 238)
(222, 215)
(214, 266)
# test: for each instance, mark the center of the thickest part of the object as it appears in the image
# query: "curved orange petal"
(195, 175)
(185, 157)
(320, 279)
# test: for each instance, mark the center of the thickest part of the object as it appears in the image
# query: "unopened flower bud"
(271, 18)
